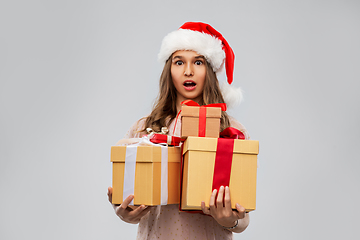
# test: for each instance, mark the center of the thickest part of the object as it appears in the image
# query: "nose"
(188, 70)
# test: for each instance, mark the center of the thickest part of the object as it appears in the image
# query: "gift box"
(200, 121)
(209, 163)
(150, 173)
(163, 138)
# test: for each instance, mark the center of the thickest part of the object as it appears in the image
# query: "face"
(188, 72)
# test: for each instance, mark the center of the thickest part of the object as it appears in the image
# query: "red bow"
(162, 138)
(195, 104)
(232, 133)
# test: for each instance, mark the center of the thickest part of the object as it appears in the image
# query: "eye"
(198, 62)
(179, 62)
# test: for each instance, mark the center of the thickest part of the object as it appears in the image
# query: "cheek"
(202, 76)
(175, 75)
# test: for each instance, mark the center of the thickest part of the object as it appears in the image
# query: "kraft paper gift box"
(146, 175)
(200, 121)
(199, 157)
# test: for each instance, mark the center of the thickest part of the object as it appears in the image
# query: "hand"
(222, 212)
(126, 213)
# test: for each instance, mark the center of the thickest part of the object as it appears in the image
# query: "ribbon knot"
(162, 137)
(232, 133)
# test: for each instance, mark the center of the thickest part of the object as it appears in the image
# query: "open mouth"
(189, 85)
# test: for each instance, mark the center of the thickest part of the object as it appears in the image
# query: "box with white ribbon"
(150, 173)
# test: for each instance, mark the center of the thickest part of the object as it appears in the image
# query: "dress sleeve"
(135, 129)
(235, 124)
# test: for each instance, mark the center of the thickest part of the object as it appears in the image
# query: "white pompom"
(232, 96)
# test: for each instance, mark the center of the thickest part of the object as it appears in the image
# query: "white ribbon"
(164, 175)
(144, 141)
(130, 166)
(129, 173)
(168, 139)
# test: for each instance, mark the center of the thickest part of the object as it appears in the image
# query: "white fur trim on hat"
(232, 96)
(204, 44)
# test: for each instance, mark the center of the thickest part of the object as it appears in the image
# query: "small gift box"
(150, 173)
(162, 137)
(201, 121)
(209, 163)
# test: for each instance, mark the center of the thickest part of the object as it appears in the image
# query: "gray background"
(76, 74)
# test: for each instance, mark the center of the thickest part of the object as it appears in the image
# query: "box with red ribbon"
(209, 163)
(201, 121)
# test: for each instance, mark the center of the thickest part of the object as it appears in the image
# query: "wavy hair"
(164, 110)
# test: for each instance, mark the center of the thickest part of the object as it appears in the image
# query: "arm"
(221, 211)
(127, 214)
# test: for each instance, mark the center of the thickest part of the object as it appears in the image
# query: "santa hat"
(206, 41)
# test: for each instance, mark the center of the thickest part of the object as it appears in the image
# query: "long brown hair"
(164, 110)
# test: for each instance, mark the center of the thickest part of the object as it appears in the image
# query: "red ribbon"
(221, 173)
(223, 157)
(202, 113)
(232, 133)
(202, 121)
(162, 138)
(195, 104)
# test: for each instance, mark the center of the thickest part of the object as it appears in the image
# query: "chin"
(194, 98)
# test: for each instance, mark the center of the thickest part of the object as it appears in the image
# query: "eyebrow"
(180, 57)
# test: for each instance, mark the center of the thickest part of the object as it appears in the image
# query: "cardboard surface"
(147, 188)
(190, 121)
(193, 111)
(199, 160)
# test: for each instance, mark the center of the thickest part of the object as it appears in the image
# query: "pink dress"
(166, 222)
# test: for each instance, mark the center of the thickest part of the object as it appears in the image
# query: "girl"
(192, 55)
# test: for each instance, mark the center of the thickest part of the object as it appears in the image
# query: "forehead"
(186, 53)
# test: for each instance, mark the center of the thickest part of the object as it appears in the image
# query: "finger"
(109, 193)
(205, 209)
(118, 209)
(116, 206)
(220, 197)
(144, 212)
(212, 201)
(127, 201)
(241, 213)
(227, 199)
(136, 214)
(138, 210)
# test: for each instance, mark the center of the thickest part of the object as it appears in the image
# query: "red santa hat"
(206, 41)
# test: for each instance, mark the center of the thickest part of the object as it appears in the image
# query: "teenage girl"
(192, 56)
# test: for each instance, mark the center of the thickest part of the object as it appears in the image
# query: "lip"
(189, 88)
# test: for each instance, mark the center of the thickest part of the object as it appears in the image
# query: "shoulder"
(135, 131)
(236, 124)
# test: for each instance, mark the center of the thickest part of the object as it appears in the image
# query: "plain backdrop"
(76, 74)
